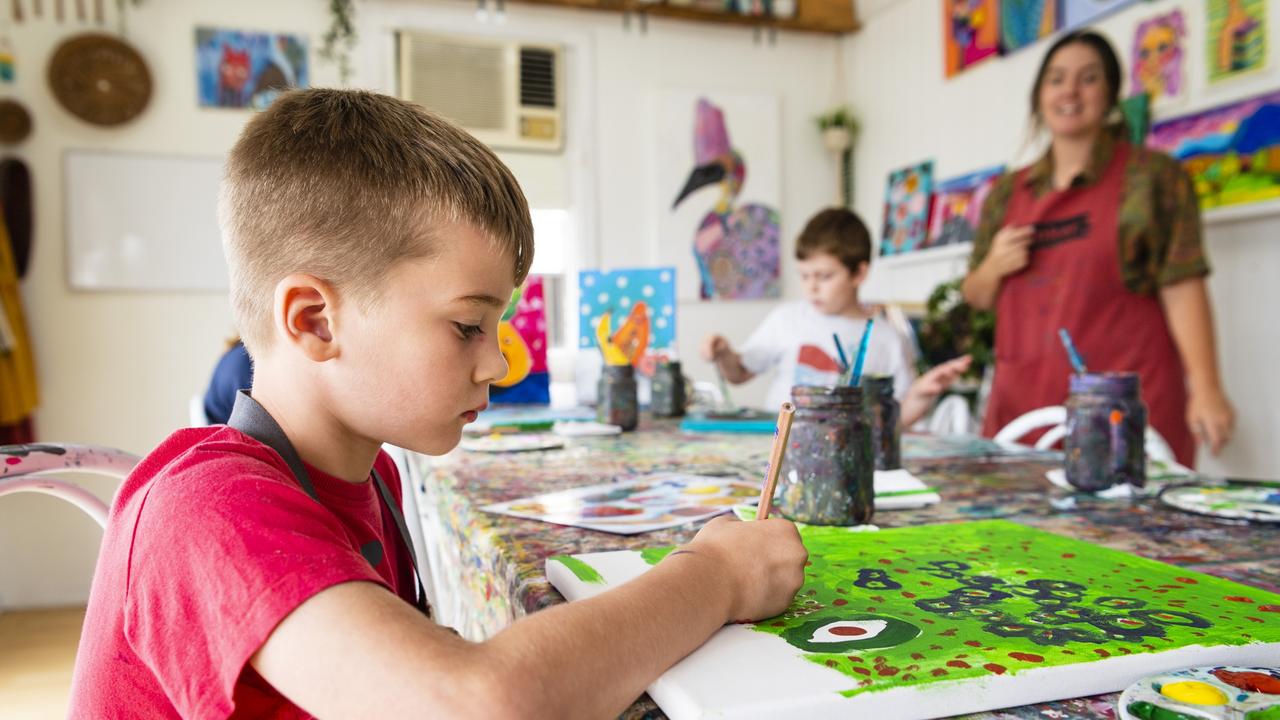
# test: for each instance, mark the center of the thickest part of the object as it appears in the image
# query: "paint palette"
(1224, 692)
(1235, 502)
(519, 442)
(650, 502)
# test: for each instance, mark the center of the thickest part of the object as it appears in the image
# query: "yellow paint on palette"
(702, 490)
(1194, 692)
(719, 501)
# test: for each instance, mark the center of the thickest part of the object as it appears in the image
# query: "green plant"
(840, 116)
(951, 328)
(340, 37)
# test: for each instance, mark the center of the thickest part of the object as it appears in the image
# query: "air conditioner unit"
(506, 93)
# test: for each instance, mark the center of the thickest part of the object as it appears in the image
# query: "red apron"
(1073, 281)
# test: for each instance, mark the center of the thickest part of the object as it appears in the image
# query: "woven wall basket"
(100, 79)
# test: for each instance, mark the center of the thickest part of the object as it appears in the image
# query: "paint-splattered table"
(488, 570)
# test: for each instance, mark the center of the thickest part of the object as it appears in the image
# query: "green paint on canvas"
(1271, 713)
(653, 556)
(918, 605)
(583, 571)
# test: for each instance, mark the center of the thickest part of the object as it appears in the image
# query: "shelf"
(833, 17)
(1237, 213)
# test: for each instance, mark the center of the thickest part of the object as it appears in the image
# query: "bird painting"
(736, 246)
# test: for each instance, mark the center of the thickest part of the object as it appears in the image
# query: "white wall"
(910, 112)
(118, 368)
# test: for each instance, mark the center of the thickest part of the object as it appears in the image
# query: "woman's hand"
(1010, 250)
(1211, 418)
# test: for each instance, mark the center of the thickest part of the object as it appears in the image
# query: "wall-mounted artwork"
(522, 337)
(971, 33)
(906, 209)
(1078, 13)
(957, 207)
(237, 69)
(1231, 152)
(942, 620)
(1022, 22)
(719, 174)
(1156, 63)
(634, 309)
(1236, 37)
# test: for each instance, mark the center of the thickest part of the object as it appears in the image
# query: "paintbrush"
(862, 353)
(1073, 355)
(726, 401)
(844, 359)
(781, 432)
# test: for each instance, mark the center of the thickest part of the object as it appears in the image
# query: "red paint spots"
(1102, 652)
(900, 571)
(1026, 657)
(1254, 619)
(848, 631)
(839, 601)
(1250, 681)
(948, 633)
(832, 663)
(1068, 556)
(908, 595)
(12, 460)
(958, 664)
(1187, 581)
(1068, 652)
(917, 656)
(939, 672)
(854, 658)
(887, 670)
(862, 671)
(1238, 598)
(907, 677)
(973, 643)
(1021, 572)
(1269, 608)
(935, 647)
(885, 561)
(994, 668)
(778, 623)
(870, 609)
(926, 583)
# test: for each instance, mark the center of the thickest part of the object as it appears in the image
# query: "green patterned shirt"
(1159, 215)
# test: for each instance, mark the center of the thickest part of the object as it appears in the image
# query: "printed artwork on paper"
(635, 308)
(957, 207)
(906, 209)
(719, 169)
(650, 502)
(237, 69)
(1236, 38)
(1232, 153)
(940, 620)
(1078, 13)
(1022, 22)
(1156, 64)
(522, 337)
(971, 33)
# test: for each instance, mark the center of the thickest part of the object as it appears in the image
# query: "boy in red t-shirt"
(260, 569)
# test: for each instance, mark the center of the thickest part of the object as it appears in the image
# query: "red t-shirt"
(209, 545)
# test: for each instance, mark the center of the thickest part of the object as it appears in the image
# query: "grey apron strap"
(249, 417)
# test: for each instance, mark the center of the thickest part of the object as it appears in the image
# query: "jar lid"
(1114, 383)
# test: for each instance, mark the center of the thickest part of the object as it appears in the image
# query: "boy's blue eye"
(468, 331)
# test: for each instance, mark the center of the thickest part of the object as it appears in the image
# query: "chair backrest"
(26, 468)
(1054, 417)
(951, 417)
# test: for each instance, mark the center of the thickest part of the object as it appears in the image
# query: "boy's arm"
(355, 646)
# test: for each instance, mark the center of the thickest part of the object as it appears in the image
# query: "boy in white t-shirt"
(833, 251)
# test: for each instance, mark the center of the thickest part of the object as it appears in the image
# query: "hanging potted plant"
(838, 127)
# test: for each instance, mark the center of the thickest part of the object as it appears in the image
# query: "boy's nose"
(492, 366)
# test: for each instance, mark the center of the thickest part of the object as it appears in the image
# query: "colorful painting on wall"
(1023, 22)
(634, 308)
(1078, 13)
(719, 187)
(940, 620)
(651, 502)
(971, 33)
(1236, 37)
(906, 209)
(1231, 152)
(957, 207)
(522, 337)
(1157, 57)
(246, 69)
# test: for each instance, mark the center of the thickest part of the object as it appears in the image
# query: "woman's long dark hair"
(1110, 71)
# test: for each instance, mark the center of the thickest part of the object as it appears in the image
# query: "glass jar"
(616, 397)
(827, 475)
(1106, 425)
(667, 391)
(884, 416)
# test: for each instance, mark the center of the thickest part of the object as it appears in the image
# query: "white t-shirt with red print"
(796, 339)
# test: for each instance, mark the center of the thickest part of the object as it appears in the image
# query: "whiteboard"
(139, 221)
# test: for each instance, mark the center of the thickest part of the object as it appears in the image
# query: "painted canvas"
(971, 33)
(1156, 62)
(719, 171)
(650, 502)
(957, 207)
(940, 620)
(906, 209)
(1078, 13)
(1023, 22)
(639, 305)
(1231, 152)
(1236, 37)
(522, 337)
(237, 69)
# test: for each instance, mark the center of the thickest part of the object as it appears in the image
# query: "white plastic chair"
(25, 468)
(195, 411)
(951, 416)
(1054, 417)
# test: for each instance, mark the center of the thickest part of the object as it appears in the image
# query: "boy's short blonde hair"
(837, 232)
(344, 184)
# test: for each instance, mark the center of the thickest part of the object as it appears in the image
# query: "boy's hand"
(715, 347)
(762, 561)
(940, 377)
(1010, 250)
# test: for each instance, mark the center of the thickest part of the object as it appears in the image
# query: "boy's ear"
(304, 310)
(861, 275)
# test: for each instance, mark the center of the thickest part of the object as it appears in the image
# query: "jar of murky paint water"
(884, 416)
(616, 397)
(667, 391)
(1106, 425)
(827, 475)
